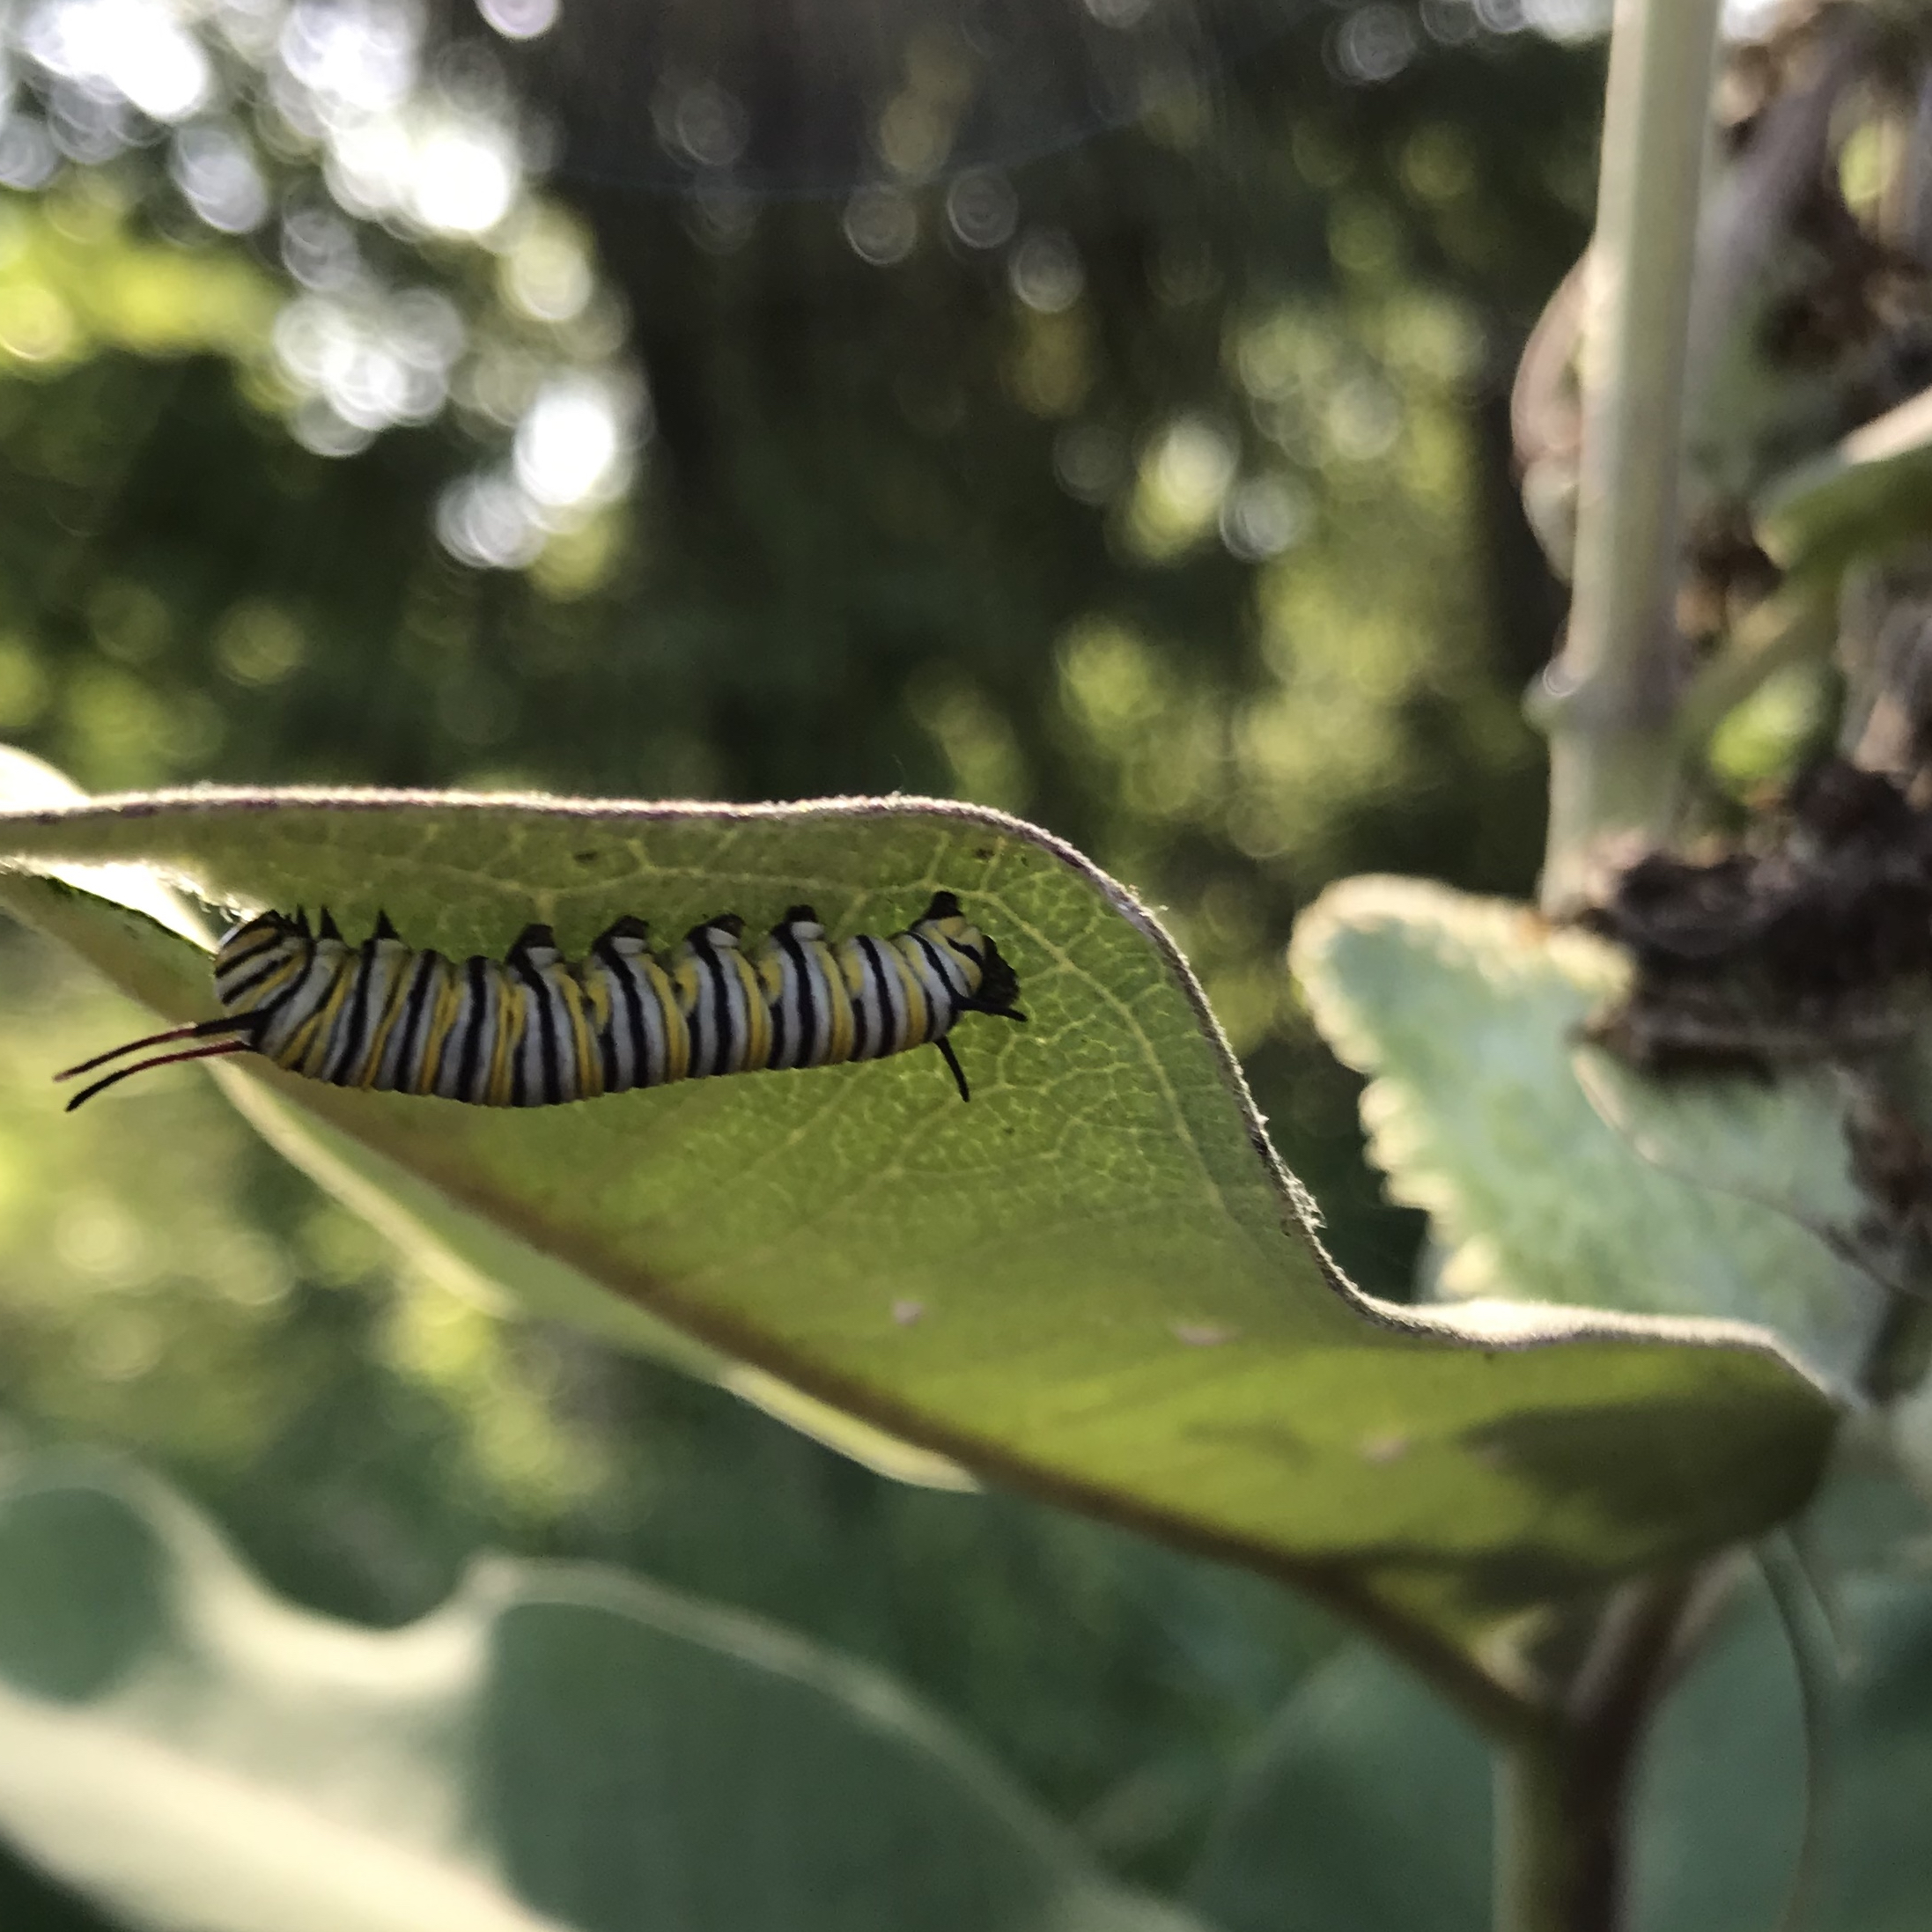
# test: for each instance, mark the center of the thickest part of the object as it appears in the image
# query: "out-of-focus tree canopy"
(1145, 474)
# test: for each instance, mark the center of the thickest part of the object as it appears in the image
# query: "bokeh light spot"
(1045, 271)
(258, 644)
(217, 177)
(982, 209)
(881, 224)
(571, 447)
(35, 325)
(518, 20)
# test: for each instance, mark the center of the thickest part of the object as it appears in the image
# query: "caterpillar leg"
(952, 1062)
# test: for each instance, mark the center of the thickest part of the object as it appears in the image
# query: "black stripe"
(228, 995)
(357, 1017)
(546, 1020)
(640, 1039)
(934, 1032)
(264, 1012)
(269, 942)
(475, 972)
(869, 946)
(723, 1046)
(703, 1052)
(860, 1037)
(419, 1002)
(807, 1055)
(811, 1053)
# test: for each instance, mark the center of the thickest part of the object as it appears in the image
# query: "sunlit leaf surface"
(1468, 1013)
(557, 1747)
(483, 1261)
(1092, 1281)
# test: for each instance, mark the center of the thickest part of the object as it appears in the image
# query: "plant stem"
(1610, 694)
(1563, 1784)
(1560, 1836)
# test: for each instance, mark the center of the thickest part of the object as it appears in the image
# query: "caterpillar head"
(999, 983)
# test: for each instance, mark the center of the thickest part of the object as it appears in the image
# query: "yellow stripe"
(340, 996)
(950, 935)
(392, 1011)
(512, 1016)
(919, 1012)
(770, 964)
(773, 966)
(755, 1047)
(291, 968)
(677, 1032)
(446, 1010)
(971, 935)
(590, 1063)
(596, 990)
(685, 978)
(311, 1039)
(838, 1048)
(855, 975)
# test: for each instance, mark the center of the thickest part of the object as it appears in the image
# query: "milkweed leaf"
(1095, 1282)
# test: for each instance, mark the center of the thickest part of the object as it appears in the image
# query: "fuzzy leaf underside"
(1094, 1281)
(1611, 1191)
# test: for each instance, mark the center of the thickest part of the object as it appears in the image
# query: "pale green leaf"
(558, 1747)
(1093, 1281)
(1467, 1014)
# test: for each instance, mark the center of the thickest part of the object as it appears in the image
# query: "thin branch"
(1815, 1662)
(1612, 753)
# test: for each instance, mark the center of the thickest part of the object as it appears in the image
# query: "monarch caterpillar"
(534, 1030)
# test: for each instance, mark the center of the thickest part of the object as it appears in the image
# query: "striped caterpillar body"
(534, 1029)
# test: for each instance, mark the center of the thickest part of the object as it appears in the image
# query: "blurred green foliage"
(1205, 555)
(361, 1435)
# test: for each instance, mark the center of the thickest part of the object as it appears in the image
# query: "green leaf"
(488, 1265)
(1870, 494)
(1466, 1013)
(1094, 1281)
(1369, 1805)
(464, 1251)
(1781, 1145)
(1365, 1804)
(558, 1746)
